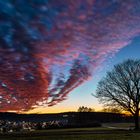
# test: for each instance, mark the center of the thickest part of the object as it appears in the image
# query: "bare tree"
(111, 110)
(85, 109)
(121, 88)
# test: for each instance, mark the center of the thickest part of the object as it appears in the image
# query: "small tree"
(121, 88)
(85, 109)
(111, 110)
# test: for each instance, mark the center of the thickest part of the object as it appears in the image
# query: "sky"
(53, 53)
(82, 96)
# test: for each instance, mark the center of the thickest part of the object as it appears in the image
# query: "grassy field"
(101, 133)
(132, 136)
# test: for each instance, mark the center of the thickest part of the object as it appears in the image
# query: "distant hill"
(71, 117)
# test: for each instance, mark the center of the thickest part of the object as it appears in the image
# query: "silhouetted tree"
(85, 109)
(121, 88)
(111, 110)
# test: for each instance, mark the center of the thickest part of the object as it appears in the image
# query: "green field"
(80, 137)
(101, 133)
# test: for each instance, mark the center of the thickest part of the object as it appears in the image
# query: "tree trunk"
(136, 119)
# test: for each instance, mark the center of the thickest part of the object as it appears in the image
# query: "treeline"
(71, 117)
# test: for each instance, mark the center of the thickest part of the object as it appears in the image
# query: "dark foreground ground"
(107, 132)
(75, 135)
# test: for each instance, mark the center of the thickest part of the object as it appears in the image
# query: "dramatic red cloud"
(66, 37)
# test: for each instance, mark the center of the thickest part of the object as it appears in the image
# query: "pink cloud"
(82, 31)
